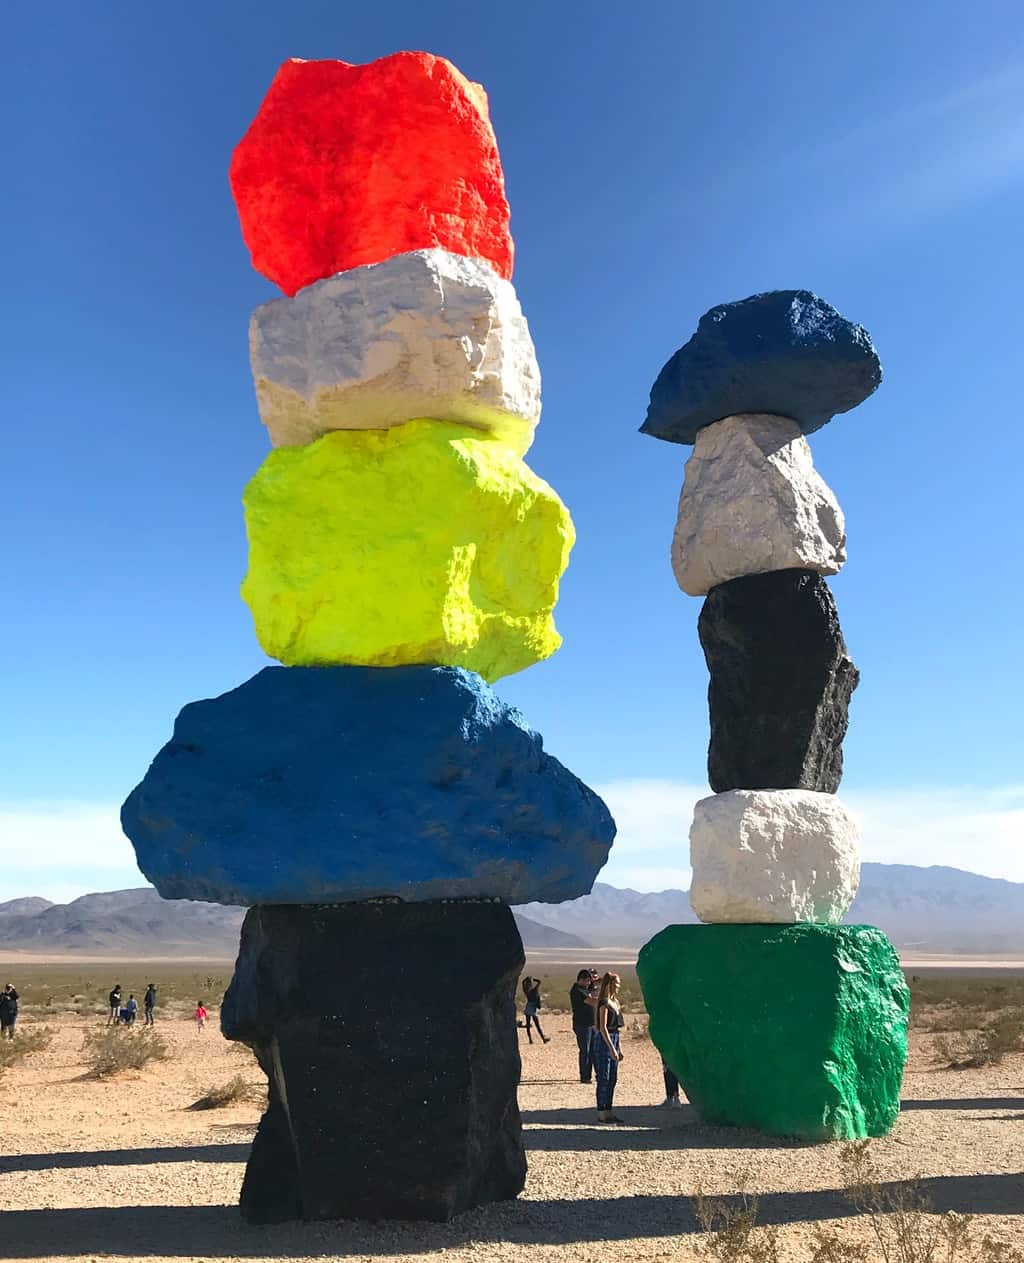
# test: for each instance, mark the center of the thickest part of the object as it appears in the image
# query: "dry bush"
(903, 1223)
(731, 1227)
(901, 1219)
(637, 1028)
(26, 1041)
(236, 1090)
(112, 1048)
(1000, 1035)
(960, 1018)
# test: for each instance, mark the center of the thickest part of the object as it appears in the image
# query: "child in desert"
(201, 1016)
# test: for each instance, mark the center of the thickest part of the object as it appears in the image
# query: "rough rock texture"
(383, 1104)
(309, 785)
(788, 352)
(794, 1030)
(426, 543)
(425, 334)
(752, 502)
(775, 855)
(781, 682)
(345, 165)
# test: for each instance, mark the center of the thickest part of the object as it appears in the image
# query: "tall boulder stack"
(372, 801)
(773, 1015)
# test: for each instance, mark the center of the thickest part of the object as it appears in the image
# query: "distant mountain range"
(139, 923)
(924, 910)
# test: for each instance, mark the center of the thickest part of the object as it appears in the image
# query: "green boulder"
(794, 1030)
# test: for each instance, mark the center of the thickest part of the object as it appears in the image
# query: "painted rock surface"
(752, 502)
(348, 783)
(427, 334)
(794, 1030)
(377, 1110)
(345, 165)
(781, 682)
(778, 855)
(426, 543)
(788, 352)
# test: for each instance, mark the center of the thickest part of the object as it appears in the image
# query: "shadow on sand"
(139, 1232)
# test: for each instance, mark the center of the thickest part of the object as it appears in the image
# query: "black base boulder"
(781, 682)
(388, 1035)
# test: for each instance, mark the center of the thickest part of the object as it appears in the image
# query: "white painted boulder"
(752, 502)
(423, 335)
(773, 856)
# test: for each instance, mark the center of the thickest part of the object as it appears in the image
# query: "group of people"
(597, 1023)
(8, 1011)
(123, 1012)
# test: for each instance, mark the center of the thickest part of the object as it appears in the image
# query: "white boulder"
(773, 855)
(752, 502)
(428, 334)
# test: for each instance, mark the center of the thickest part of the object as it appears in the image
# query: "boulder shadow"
(140, 1232)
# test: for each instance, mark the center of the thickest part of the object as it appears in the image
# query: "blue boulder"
(787, 352)
(336, 784)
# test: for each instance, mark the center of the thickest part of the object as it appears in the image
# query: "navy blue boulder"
(337, 784)
(787, 352)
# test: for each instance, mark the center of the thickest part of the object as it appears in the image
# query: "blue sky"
(660, 158)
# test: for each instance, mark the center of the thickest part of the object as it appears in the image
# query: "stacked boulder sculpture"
(372, 801)
(773, 1015)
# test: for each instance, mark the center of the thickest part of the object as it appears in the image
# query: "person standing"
(114, 1000)
(607, 1053)
(130, 1010)
(8, 1011)
(671, 1100)
(201, 1016)
(531, 989)
(149, 1003)
(581, 999)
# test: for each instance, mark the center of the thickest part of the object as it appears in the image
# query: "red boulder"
(345, 165)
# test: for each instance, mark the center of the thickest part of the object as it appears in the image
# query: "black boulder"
(781, 682)
(388, 1035)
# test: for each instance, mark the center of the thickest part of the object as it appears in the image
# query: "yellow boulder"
(425, 543)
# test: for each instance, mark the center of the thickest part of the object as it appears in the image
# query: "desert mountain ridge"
(139, 923)
(933, 910)
(926, 910)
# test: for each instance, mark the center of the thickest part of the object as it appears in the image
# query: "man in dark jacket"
(8, 1011)
(149, 1003)
(581, 997)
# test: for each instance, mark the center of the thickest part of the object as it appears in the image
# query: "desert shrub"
(970, 1050)
(638, 1028)
(109, 1049)
(236, 1090)
(28, 1040)
(960, 1018)
(903, 1223)
(732, 1232)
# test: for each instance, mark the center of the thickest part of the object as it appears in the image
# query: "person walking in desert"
(607, 1053)
(149, 1003)
(8, 1011)
(200, 1016)
(114, 1000)
(531, 989)
(582, 997)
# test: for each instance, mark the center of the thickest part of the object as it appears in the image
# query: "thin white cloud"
(923, 158)
(60, 850)
(62, 835)
(980, 830)
(977, 829)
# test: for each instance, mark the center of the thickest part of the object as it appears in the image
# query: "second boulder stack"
(772, 1014)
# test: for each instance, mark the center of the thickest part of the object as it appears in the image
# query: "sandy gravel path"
(124, 1170)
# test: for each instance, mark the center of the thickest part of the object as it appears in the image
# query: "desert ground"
(123, 1168)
